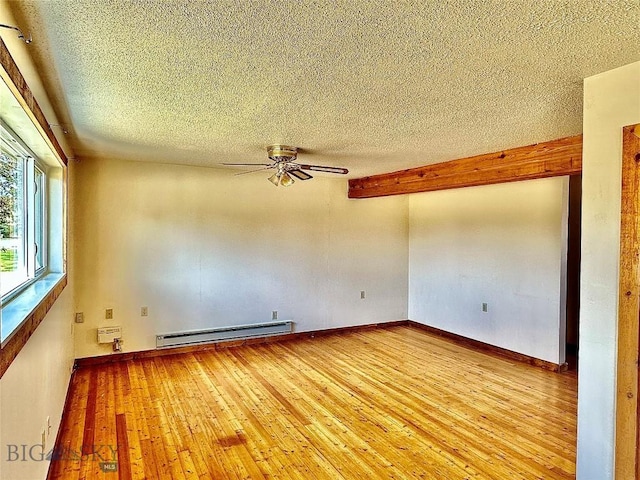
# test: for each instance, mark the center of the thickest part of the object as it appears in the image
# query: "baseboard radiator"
(237, 332)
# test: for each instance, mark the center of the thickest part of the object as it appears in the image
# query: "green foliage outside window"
(9, 181)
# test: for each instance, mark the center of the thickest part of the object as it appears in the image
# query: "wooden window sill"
(23, 314)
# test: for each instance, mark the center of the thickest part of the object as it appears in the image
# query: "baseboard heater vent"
(213, 335)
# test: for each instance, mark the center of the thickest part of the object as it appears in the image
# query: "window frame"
(27, 114)
(42, 248)
(21, 152)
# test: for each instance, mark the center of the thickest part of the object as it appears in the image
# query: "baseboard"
(123, 357)
(491, 349)
(458, 339)
(65, 409)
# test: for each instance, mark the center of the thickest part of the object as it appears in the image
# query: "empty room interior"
(328, 240)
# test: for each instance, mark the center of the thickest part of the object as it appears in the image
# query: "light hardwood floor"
(382, 403)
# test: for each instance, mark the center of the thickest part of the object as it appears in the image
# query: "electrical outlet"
(362, 294)
(274, 315)
(79, 317)
(485, 307)
(144, 311)
(108, 313)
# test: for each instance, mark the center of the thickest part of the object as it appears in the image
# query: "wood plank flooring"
(382, 403)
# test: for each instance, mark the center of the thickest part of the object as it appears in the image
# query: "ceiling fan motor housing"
(282, 153)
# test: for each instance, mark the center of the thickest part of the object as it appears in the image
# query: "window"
(33, 213)
(23, 199)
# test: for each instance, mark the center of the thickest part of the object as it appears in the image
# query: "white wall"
(203, 248)
(611, 101)
(500, 244)
(35, 386)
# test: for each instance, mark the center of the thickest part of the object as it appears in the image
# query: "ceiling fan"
(284, 162)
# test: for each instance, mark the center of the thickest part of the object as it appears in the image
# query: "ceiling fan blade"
(253, 171)
(299, 174)
(248, 164)
(321, 168)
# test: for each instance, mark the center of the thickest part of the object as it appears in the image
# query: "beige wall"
(504, 245)
(34, 388)
(35, 385)
(203, 248)
(611, 101)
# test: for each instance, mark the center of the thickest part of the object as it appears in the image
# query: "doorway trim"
(627, 454)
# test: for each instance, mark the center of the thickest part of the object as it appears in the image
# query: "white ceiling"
(373, 86)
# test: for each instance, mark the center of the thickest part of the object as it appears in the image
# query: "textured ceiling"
(373, 86)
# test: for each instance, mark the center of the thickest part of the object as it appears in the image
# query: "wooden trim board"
(20, 337)
(122, 357)
(462, 341)
(491, 349)
(541, 160)
(16, 82)
(66, 410)
(11, 76)
(627, 457)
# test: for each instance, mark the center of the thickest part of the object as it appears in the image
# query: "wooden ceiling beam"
(11, 75)
(541, 160)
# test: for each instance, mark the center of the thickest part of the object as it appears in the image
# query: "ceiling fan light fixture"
(275, 178)
(286, 180)
(283, 158)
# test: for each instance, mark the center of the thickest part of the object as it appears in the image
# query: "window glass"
(13, 259)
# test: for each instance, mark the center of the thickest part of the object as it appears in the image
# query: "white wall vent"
(236, 332)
